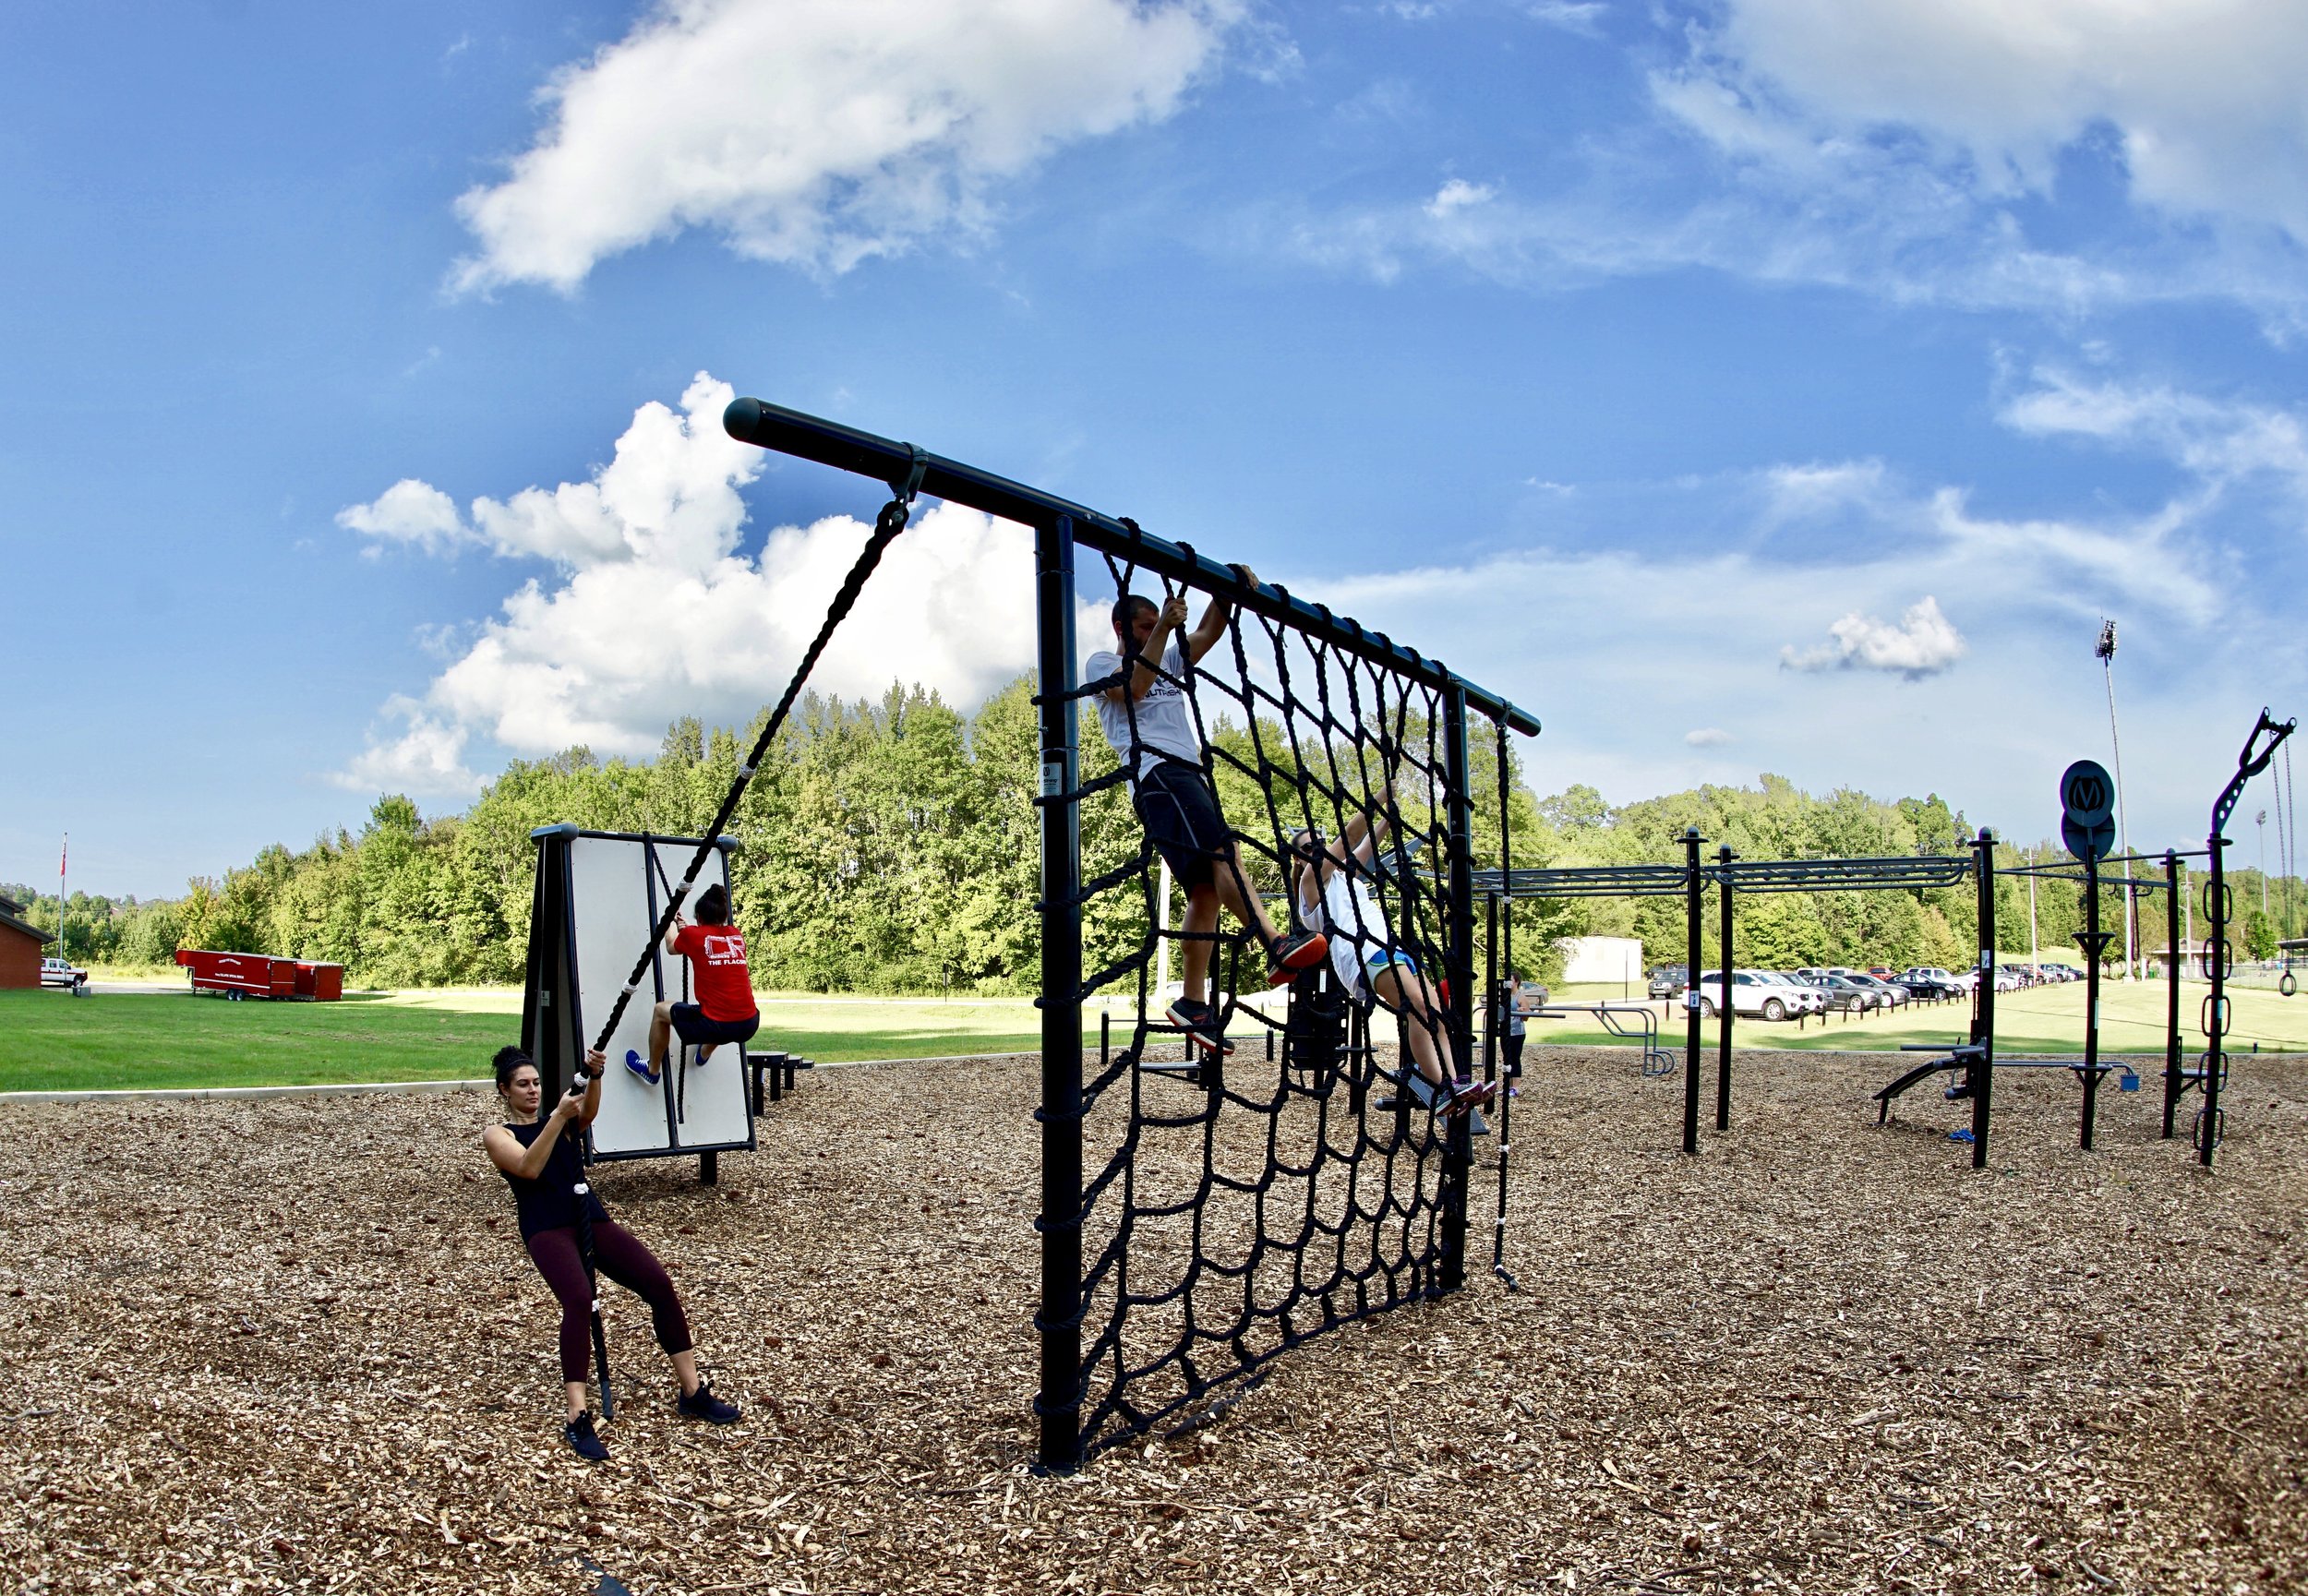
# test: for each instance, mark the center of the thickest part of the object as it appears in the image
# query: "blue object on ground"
(1959, 1135)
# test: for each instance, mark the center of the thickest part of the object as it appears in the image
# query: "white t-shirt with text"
(1165, 720)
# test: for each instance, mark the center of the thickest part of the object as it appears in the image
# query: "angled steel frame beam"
(805, 436)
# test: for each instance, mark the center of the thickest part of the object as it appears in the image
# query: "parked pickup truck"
(60, 973)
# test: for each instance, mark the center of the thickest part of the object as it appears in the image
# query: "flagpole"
(63, 859)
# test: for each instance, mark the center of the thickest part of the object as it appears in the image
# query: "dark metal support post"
(2095, 943)
(1059, 1403)
(2214, 1005)
(1983, 1000)
(1458, 953)
(2172, 964)
(1724, 856)
(1691, 883)
(2249, 763)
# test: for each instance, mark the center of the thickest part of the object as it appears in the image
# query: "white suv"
(1754, 992)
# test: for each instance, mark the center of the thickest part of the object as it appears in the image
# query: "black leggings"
(622, 1257)
(1512, 1046)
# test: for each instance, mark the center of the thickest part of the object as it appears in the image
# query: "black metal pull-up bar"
(1896, 872)
(805, 436)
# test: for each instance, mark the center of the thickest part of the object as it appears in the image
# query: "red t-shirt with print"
(725, 991)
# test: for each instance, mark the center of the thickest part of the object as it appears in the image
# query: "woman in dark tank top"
(539, 1155)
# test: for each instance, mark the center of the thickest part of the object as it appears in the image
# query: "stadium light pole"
(2107, 653)
(2261, 820)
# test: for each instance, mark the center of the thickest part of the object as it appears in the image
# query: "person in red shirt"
(725, 1010)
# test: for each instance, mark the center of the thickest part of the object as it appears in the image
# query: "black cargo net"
(1234, 1206)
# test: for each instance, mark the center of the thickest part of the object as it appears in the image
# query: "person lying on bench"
(1337, 889)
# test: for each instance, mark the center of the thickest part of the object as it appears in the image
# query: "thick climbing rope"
(886, 527)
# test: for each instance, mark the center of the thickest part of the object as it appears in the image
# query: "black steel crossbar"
(1584, 881)
(790, 432)
(2070, 873)
(1886, 874)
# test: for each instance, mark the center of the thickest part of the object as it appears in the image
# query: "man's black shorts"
(697, 1030)
(1181, 816)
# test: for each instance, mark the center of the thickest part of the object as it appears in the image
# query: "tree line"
(891, 846)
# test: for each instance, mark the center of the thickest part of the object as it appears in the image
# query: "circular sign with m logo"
(2087, 795)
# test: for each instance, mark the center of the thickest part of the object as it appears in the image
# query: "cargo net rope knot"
(1237, 1203)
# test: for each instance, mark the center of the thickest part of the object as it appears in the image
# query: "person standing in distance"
(725, 1010)
(1510, 1028)
(1174, 800)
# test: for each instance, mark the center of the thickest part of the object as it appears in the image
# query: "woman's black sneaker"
(705, 1405)
(579, 1434)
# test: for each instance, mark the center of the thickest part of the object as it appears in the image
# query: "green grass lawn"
(51, 1043)
(2036, 1020)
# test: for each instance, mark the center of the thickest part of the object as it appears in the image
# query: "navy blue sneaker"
(647, 1073)
(703, 1404)
(582, 1440)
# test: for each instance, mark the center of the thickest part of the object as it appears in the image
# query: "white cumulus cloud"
(652, 610)
(1458, 195)
(425, 759)
(1923, 643)
(819, 133)
(1573, 16)
(2202, 97)
(408, 512)
(1707, 737)
(1907, 149)
(2220, 441)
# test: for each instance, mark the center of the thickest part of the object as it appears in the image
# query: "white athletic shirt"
(1346, 895)
(1164, 720)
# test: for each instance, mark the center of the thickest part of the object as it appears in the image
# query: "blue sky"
(1750, 385)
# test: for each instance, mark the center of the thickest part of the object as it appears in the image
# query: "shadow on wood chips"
(296, 1346)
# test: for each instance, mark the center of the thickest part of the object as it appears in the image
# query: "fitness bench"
(779, 1069)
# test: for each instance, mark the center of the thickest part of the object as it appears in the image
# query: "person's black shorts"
(1181, 816)
(689, 1021)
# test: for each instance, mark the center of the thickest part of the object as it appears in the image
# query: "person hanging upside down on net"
(1175, 801)
(538, 1155)
(1336, 886)
(725, 1010)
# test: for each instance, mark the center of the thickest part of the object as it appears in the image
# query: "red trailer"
(261, 976)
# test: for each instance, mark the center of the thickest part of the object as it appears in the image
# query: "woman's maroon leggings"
(618, 1254)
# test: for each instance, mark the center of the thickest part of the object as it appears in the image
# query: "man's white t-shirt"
(1165, 721)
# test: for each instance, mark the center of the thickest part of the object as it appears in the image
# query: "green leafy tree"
(2259, 934)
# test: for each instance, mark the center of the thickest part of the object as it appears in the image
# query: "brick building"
(21, 946)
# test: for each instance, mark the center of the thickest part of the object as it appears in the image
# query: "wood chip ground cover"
(295, 1345)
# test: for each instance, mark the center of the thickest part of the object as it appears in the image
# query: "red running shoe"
(1294, 955)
